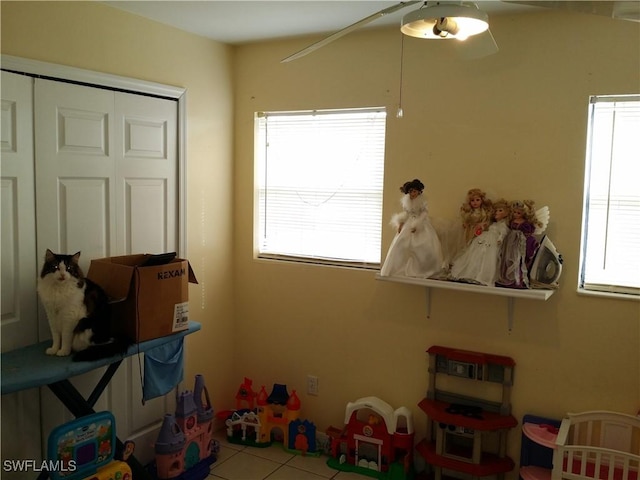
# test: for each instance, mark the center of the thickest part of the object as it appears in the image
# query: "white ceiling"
(243, 21)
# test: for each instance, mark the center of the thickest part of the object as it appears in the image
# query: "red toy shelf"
(490, 421)
(471, 357)
(491, 464)
(457, 425)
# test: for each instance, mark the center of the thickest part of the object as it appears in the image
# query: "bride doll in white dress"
(480, 260)
(415, 250)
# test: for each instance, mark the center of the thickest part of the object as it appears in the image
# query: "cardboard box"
(148, 300)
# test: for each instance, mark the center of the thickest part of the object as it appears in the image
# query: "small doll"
(415, 250)
(520, 244)
(475, 213)
(479, 262)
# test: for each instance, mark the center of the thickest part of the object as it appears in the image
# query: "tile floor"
(237, 462)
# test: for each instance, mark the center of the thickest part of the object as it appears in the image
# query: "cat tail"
(117, 346)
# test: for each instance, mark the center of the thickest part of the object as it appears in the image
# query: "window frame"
(605, 289)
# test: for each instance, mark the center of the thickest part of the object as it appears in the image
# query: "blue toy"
(85, 447)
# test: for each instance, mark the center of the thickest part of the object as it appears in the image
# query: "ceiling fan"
(621, 10)
(446, 20)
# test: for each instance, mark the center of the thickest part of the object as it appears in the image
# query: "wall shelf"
(510, 293)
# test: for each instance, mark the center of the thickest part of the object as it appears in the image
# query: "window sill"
(608, 295)
(317, 261)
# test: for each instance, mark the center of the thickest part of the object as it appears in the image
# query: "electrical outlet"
(312, 385)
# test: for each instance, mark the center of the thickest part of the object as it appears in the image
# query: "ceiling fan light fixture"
(446, 26)
(445, 21)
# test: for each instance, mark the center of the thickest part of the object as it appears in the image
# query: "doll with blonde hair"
(479, 262)
(476, 214)
(415, 250)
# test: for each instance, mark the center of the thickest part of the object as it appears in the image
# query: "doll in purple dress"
(520, 245)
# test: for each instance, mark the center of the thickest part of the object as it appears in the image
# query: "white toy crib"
(597, 445)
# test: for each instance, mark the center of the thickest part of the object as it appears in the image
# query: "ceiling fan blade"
(354, 26)
(477, 46)
(624, 10)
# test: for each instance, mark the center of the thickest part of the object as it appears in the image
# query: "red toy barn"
(375, 435)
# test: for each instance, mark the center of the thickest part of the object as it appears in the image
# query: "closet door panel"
(145, 138)
(147, 173)
(8, 236)
(145, 227)
(75, 170)
(17, 235)
(74, 174)
(83, 133)
(146, 202)
(19, 270)
(84, 215)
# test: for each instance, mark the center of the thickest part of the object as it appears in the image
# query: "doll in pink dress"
(519, 246)
(479, 262)
(415, 250)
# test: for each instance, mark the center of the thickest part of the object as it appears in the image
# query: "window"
(320, 176)
(611, 222)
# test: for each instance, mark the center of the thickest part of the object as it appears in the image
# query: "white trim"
(182, 174)
(36, 67)
(101, 79)
(365, 439)
(609, 295)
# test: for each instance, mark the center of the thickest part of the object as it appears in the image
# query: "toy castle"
(261, 417)
(185, 445)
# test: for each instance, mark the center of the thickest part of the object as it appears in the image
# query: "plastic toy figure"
(415, 250)
(520, 244)
(475, 213)
(301, 442)
(479, 262)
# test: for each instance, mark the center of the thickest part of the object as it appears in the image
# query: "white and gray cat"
(78, 311)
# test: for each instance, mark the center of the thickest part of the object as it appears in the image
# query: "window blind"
(320, 184)
(611, 222)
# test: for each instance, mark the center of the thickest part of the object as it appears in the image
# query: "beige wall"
(513, 124)
(93, 36)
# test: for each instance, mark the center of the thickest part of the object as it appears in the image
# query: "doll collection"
(493, 243)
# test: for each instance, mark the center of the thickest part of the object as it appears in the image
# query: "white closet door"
(20, 433)
(146, 206)
(106, 182)
(146, 166)
(75, 170)
(18, 232)
(75, 203)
